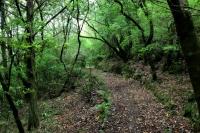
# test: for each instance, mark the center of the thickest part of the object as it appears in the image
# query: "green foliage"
(1, 93)
(177, 67)
(49, 78)
(191, 110)
(152, 49)
(94, 90)
(19, 103)
(91, 85)
(173, 54)
(104, 111)
(48, 111)
(128, 72)
(171, 48)
(94, 52)
(104, 107)
(81, 62)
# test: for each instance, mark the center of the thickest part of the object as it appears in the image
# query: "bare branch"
(19, 10)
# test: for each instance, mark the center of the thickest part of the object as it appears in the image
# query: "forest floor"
(134, 109)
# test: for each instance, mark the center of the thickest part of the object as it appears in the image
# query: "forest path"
(135, 109)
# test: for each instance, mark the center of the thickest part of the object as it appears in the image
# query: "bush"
(191, 110)
(90, 87)
(50, 73)
(95, 92)
(1, 94)
(173, 62)
(128, 71)
(152, 51)
(104, 107)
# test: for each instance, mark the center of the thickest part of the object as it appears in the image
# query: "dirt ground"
(134, 110)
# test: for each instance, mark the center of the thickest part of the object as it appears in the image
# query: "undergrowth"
(95, 92)
(162, 97)
(189, 110)
(104, 107)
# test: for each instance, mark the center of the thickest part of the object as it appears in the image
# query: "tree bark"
(15, 113)
(33, 118)
(2, 41)
(189, 43)
(147, 41)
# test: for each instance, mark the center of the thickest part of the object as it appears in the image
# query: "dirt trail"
(135, 109)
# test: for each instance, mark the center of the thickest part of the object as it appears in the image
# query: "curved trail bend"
(135, 109)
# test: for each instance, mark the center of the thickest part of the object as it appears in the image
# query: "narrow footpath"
(136, 110)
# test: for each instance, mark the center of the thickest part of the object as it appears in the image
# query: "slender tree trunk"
(15, 113)
(33, 118)
(189, 43)
(149, 58)
(5, 87)
(5, 81)
(41, 18)
(2, 41)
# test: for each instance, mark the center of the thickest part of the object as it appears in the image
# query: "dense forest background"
(99, 66)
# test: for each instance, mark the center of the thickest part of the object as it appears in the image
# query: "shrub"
(128, 71)
(50, 73)
(104, 107)
(191, 110)
(90, 87)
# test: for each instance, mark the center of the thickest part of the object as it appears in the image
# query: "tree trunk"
(149, 58)
(5, 80)
(15, 113)
(12, 106)
(2, 42)
(189, 43)
(33, 120)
